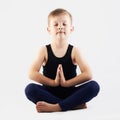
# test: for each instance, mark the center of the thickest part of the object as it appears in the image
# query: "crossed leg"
(47, 102)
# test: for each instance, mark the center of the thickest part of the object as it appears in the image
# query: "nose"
(60, 27)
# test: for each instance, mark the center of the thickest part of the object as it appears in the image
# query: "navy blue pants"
(67, 98)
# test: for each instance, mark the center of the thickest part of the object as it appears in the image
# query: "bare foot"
(42, 106)
(82, 106)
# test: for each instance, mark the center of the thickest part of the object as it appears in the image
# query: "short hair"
(57, 12)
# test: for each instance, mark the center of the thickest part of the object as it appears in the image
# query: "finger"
(59, 66)
(61, 69)
(58, 69)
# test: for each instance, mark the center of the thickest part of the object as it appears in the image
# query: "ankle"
(57, 107)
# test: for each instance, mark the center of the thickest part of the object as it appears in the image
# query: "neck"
(59, 43)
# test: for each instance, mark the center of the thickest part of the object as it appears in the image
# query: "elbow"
(31, 75)
(34, 75)
(89, 76)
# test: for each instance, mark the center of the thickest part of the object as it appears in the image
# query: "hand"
(63, 82)
(57, 78)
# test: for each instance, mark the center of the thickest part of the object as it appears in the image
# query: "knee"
(30, 89)
(94, 87)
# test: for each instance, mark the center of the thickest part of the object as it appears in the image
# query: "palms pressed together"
(43, 106)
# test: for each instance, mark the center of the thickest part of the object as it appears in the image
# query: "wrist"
(66, 84)
(55, 83)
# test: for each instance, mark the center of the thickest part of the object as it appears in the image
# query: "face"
(60, 27)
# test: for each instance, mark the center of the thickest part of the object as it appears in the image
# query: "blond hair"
(59, 11)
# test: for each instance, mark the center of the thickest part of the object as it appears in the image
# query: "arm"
(85, 74)
(34, 73)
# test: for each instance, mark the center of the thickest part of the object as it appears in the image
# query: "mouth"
(60, 32)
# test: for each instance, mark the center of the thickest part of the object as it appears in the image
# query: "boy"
(57, 90)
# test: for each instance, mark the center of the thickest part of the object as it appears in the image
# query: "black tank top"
(50, 68)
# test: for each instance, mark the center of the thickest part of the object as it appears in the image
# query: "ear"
(48, 29)
(72, 29)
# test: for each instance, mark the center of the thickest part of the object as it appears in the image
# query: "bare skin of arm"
(77, 58)
(85, 74)
(34, 73)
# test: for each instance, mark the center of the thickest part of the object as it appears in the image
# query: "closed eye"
(56, 24)
(64, 24)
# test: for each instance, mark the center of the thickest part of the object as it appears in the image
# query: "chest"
(59, 53)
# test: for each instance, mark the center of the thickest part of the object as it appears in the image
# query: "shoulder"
(75, 55)
(75, 51)
(75, 48)
(42, 51)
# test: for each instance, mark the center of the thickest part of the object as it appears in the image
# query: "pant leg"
(82, 94)
(35, 93)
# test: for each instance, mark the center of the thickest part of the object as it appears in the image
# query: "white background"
(23, 26)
